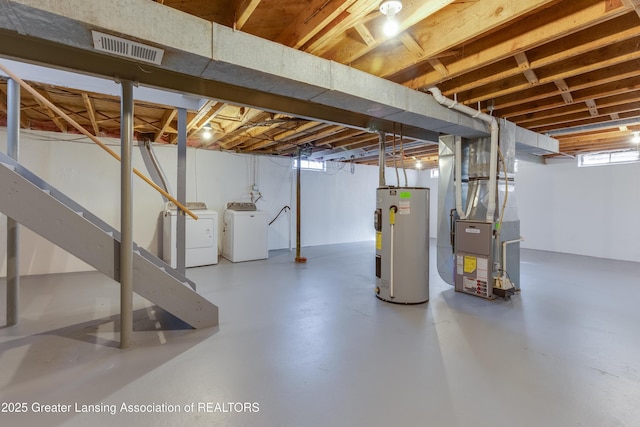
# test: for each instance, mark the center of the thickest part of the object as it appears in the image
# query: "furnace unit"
(478, 226)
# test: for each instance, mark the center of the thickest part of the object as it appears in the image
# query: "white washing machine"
(201, 236)
(244, 234)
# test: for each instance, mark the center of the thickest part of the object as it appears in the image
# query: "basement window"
(435, 173)
(310, 165)
(609, 158)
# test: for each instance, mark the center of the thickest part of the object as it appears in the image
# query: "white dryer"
(201, 236)
(244, 233)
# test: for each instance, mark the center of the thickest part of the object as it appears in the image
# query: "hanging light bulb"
(206, 134)
(636, 138)
(418, 164)
(391, 27)
(390, 8)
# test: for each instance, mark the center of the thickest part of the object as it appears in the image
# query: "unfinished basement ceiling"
(567, 68)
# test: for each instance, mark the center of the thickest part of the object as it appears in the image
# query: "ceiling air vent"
(122, 47)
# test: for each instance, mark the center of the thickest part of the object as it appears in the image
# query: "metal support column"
(13, 229)
(299, 259)
(181, 225)
(126, 215)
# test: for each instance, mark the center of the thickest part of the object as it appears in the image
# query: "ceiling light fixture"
(636, 138)
(418, 164)
(390, 8)
(207, 131)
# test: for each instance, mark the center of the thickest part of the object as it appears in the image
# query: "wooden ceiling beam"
(365, 34)
(60, 124)
(248, 131)
(586, 121)
(596, 84)
(315, 17)
(595, 146)
(201, 117)
(616, 116)
(316, 136)
(584, 42)
(448, 32)
(625, 97)
(585, 114)
(540, 29)
(207, 117)
(411, 14)
(357, 14)
(283, 136)
(243, 9)
(339, 138)
(603, 58)
(347, 143)
(91, 110)
(634, 4)
(613, 135)
(165, 123)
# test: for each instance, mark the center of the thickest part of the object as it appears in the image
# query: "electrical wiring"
(508, 277)
(404, 169)
(279, 213)
(395, 161)
(336, 166)
(506, 188)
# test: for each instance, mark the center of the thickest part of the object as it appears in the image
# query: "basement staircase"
(38, 206)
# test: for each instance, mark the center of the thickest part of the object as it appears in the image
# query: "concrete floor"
(310, 345)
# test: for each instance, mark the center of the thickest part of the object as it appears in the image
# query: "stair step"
(51, 214)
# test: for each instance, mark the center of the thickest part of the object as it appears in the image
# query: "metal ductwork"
(210, 60)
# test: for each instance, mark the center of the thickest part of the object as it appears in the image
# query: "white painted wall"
(337, 206)
(588, 211)
(562, 208)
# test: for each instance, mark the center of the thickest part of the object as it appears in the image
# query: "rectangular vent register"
(127, 48)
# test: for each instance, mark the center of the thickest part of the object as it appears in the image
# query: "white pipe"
(493, 169)
(458, 172)
(493, 160)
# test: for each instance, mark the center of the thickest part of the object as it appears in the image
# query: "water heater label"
(378, 240)
(405, 195)
(405, 207)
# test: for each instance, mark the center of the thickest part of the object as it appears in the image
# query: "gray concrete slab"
(310, 345)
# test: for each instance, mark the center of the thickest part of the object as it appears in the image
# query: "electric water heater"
(401, 221)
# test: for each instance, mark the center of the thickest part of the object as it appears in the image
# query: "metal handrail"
(86, 133)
